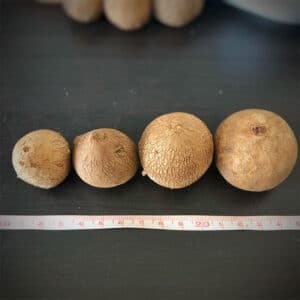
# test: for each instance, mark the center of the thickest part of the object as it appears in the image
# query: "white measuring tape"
(163, 222)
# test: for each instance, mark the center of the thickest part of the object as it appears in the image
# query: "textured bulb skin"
(176, 149)
(256, 149)
(83, 11)
(42, 158)
(128, 14)
(177, 13)
(105, 157)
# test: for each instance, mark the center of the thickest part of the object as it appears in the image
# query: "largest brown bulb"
(256, 149)
(176, 149)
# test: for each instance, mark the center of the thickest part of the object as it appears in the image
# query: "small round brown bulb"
(83, 11)
(177, 13)
(256, 150)
(128, 14)
(105, 157)
(176, 149)
(42, 158)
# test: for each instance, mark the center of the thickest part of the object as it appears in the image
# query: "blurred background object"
(128, 14)
(82, 11)
(177, 13)
(135, 14)
(286, 11)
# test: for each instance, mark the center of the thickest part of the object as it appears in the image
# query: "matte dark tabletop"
(74, 78)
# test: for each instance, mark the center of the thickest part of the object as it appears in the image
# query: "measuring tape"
(162, 222)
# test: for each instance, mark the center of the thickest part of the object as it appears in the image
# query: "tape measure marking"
(162, 222)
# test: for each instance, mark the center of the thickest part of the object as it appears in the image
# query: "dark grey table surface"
(73, 78)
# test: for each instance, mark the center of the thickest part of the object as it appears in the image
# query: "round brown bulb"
(83, 11)
(256, 150)
(105, 157)
(128, 14)
(177, 13)
(42, 158)
(176, 149)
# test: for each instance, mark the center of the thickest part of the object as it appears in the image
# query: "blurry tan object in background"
(134, 14)
(177, 13)
(83, 11)
(128, 14)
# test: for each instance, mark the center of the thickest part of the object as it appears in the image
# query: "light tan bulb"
(256, 149)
